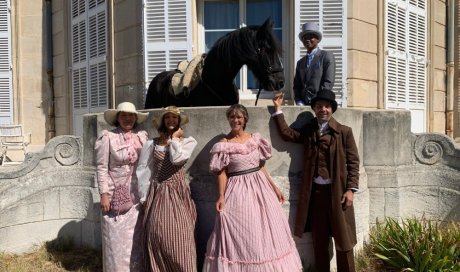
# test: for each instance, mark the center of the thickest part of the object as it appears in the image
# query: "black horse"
(255, 46)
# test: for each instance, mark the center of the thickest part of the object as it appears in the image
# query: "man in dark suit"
(316, 70)
(330, 178)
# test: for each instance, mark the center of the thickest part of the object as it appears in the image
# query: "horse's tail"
(158, 91)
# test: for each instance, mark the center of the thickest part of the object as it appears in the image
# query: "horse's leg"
(149, 98)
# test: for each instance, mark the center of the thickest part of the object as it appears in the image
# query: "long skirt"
(252, 233)
(169, 225)
(121, 241)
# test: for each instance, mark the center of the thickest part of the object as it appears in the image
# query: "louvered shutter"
(89, 65)
(329, 15)
(167, 35)
(405, 63)
(6, 93)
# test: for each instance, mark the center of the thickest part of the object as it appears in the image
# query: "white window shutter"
(6, 93)
(167, 35)
(97, 57)
(89, 64)
(330, 16)
(405, 62)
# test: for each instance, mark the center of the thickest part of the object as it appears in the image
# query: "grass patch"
(54, 256)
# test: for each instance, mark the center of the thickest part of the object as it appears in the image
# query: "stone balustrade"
(53, 193)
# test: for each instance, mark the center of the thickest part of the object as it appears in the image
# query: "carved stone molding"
(432, 148)
(67, 153)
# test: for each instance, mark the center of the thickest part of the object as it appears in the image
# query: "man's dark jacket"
(343, 170)
(318, 76)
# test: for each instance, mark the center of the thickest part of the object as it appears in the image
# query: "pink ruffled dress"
(252, 233)
(116, 153)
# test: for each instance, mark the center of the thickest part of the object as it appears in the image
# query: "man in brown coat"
(330, 178)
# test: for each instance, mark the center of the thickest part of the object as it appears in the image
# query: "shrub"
(416, 245)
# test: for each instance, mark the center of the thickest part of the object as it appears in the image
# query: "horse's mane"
(243, 42)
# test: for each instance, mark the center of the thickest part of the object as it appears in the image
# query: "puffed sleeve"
(180, 151)
(144, 170)
(265, 148)
(219, 158)
(102, 148)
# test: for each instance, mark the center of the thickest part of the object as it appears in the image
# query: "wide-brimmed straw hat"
(326, 95)
(171, 109)
(310, 28)
(110, 115)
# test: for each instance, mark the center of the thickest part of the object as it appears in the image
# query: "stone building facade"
(72, 57)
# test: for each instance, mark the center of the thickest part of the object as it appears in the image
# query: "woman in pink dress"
(251, 231)
(117, 153)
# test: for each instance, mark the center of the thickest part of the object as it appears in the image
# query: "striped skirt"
(169, 225)
(252, 233)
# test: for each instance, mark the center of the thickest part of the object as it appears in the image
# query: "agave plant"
(417, 245)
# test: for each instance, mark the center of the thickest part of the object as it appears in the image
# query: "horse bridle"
(268, 67)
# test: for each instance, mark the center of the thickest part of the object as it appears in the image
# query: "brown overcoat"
(343, 170)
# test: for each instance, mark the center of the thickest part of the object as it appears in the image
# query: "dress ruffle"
(220, 152)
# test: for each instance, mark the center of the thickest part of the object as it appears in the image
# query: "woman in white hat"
(117, 153)
(170, 215)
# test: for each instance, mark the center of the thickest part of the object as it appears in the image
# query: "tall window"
(221, 17)
(6, 93)
(89, 65)
(405, 41)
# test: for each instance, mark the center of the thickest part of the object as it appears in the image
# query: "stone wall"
(401, 175)
(409, 174)
(52, 194)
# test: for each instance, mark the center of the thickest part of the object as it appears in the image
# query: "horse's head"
(268, 67)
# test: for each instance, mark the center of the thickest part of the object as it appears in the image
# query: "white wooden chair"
(12, 137)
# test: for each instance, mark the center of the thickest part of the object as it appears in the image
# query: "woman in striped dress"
(251, 231)
(170, 215)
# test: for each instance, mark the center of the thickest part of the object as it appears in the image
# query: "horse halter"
(266, 62)
(268, 67)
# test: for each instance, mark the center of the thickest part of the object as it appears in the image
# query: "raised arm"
(287, 133)
(181, 150)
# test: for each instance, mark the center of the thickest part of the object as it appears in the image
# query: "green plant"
(417, 245)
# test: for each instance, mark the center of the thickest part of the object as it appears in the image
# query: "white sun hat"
(110, 115)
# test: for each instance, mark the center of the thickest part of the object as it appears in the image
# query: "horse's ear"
(268, 24)
(265, 30)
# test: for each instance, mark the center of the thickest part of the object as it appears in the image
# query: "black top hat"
(326, 95)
